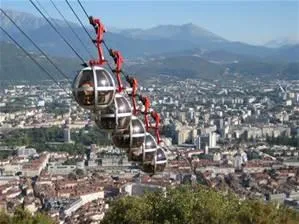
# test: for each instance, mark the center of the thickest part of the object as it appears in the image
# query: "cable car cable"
(79, 20)
(110, 67)
(35, 61)
(104, 42)
(83, 9)
(71, 28)
(62, 37)
(57, 25)
(43, 8)
(30, 39)
(108, 49)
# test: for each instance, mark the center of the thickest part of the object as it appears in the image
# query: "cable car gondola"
(94, 88)
(116, 117)
(132, 138)
(158, 164)
(149, 148)
(146, 152)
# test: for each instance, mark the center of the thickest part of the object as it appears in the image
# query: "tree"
(72, 176)
(187, 205)
(79, 172)
(22, 216)
(4, 218)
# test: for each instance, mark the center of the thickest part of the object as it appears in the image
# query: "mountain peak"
(27, 21)
(190, 25)
(187, 31)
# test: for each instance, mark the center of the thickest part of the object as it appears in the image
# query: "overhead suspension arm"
(118, 60)
(156, 116)
(100, 30)
(134, 86)
(147, 104)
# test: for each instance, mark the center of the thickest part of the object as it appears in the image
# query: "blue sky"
(253, 21)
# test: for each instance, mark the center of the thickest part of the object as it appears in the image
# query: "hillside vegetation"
(15, 65)
(195, 206)
(21, 216)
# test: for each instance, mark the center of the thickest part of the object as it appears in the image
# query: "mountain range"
(280, 42)
(187, 49)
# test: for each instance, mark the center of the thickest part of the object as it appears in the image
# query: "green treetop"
(195, 206)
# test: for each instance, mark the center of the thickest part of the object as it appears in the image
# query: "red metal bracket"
(147, 104)
(157, 119)
(118, 60)
(100, 30)
(134, 85)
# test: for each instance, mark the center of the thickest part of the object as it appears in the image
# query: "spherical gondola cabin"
(116, 117)
(135, 155)
(160, 160)
(149, 148)
(146, 153)
(132, 138)
(94, 88)
(158, 164)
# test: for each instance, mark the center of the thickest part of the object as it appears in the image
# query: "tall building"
(191, 114)
(206, 150)
(212, 140)
(238, 161)
(182, 116)
(66, 132)
(197, 142)
(208, 140)
(186, 134)
(219, 123)
(204, 141)
(183, 135)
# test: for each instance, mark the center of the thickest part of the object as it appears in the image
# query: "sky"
(254, 22)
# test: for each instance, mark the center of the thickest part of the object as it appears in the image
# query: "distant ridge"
(282, 42)
(132, 42)
(183, 51)
(187, 31)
